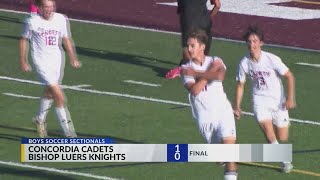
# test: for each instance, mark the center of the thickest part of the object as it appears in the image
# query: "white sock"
(63, 120)
(70, 124)
(45, 105)
(230, 175)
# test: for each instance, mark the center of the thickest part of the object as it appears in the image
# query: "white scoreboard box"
(104, 150)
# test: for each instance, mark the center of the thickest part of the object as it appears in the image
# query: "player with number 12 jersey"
(45, 39)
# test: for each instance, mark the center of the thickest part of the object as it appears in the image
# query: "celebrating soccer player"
(270, 105)
(203, 77)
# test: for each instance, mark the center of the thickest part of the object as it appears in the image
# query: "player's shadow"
(119, 57)
(9, 37)
(34, 174)
(306, 151)
(10, 137)
(58, 134)
(126, 58)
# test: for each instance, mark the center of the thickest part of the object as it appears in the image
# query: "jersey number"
(262, 82)
(205, 88)
(51, 40)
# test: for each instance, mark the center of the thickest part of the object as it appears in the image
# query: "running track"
(150, 14)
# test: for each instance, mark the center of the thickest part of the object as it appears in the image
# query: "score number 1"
(177, 153)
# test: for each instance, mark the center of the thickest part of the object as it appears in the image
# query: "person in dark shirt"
(193, 15)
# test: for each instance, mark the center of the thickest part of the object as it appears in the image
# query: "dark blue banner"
(66, 141)
(177, 152)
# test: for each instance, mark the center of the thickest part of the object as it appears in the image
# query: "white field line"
(166, 32)
(142, 83)
(21, 96)
(98, 92)
(140, 98)
(56, 170)
(38, 83)
(308, 64)
(82, 86)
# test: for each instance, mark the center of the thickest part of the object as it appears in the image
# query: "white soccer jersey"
(204, 67)
(210, 107)
(264, 74)
(46, 38)
(212, 87)
(45, 35)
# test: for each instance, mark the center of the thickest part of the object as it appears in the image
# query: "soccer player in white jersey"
(202, 77)
(270, 105)
(46, 32)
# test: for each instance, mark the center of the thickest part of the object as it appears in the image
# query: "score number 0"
(177, 153)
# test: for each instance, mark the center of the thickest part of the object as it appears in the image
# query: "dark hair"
(199, 35)
(253, 29)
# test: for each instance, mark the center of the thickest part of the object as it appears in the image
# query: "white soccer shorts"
(215, 121)
(279, 116)
(50, 73)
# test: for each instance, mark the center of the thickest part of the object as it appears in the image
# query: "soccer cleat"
(41, 127)
(173, 73)
(287, 167)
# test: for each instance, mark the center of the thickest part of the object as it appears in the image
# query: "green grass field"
(110, 56)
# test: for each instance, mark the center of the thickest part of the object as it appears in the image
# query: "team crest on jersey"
(47, 32)
(258, 74)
